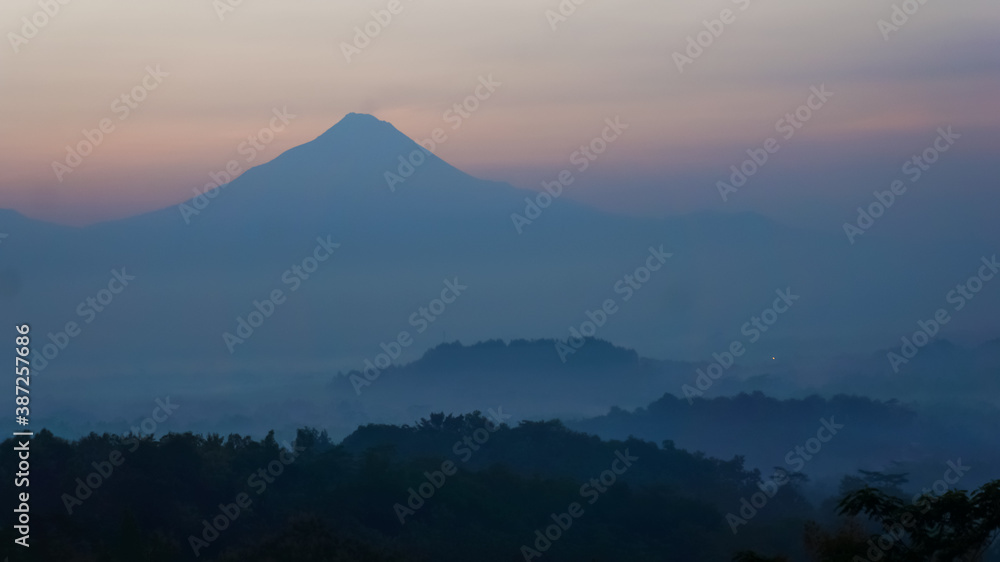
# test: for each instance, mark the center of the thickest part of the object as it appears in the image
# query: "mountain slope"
(196, 280)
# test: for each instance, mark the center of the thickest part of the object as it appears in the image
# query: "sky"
(222, 71)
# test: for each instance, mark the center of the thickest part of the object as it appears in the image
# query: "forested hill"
(450, 488)
(877, 435)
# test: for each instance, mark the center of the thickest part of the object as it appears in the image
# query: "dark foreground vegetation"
(458, 488)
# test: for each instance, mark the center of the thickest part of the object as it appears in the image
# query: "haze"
(227, 73)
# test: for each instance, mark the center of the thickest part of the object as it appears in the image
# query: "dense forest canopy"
(448, 488)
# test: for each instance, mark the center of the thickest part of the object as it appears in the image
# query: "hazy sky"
(607, 59)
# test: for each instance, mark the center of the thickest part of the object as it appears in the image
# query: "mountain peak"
(362, 135)
(360, 119)
(360, 124)
(358, 153)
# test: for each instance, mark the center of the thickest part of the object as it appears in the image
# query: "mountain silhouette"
(201, 265)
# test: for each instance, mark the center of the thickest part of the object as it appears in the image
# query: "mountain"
(449, 377)
(205, 269)
(526, 377)
(888, 436)
(320, 501)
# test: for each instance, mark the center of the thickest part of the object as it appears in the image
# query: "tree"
(748, 556)
(953, 527)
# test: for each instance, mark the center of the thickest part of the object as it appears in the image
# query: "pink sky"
(226, 75)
